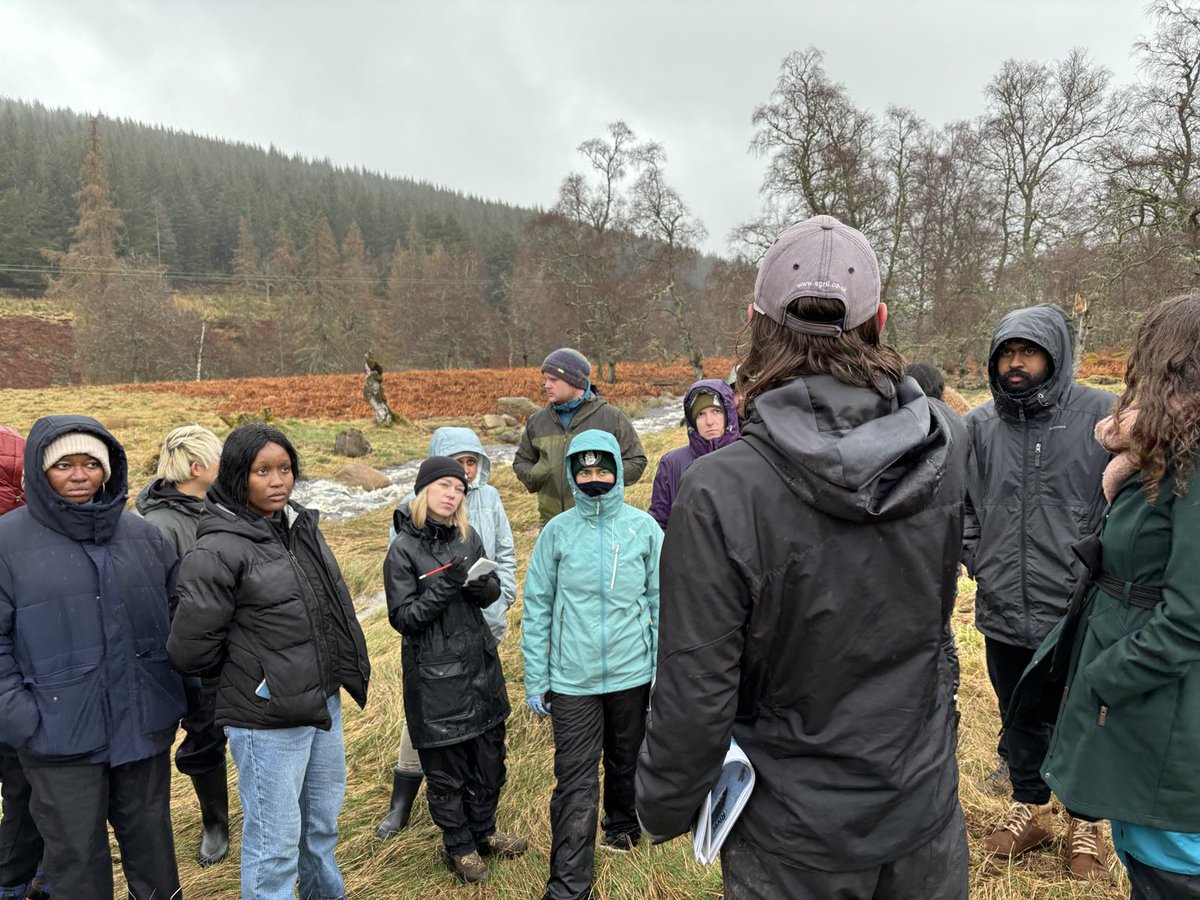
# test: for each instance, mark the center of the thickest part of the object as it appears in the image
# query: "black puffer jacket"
(453, 684)
(252, 608)
(1033, 487)
(806, 576)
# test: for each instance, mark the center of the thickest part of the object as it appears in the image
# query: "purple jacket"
(675, 462)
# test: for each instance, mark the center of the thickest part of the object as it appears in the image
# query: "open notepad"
(481, 567)
(723, 805)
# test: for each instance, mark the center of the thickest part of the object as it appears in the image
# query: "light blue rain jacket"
(485, 510)
(590, 619)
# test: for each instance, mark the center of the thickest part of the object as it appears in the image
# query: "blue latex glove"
(536, 702)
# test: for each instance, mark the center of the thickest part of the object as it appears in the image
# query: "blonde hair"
(183, 446)
(418, 508)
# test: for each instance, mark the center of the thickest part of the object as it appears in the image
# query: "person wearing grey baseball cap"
(808, 573)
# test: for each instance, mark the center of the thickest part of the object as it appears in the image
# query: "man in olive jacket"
(807, 575)
(1033, 490)
(541, 459)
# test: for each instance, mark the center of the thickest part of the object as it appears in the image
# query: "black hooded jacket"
(1033, 486)
(807, 573)
(85, 595)
(257, 607)
(453, 683)
(175, 513)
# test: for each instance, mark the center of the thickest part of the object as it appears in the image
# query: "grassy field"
(405, 867)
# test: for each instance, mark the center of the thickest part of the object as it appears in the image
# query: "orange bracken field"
(422, 393)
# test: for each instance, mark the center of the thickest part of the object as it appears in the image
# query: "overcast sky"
(492, 98)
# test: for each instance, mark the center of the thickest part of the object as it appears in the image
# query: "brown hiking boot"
(1087, 850)
(503, 846)
(1025, 827)
(470, 867)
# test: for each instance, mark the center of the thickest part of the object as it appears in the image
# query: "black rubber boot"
(212, 789)
(404, 791)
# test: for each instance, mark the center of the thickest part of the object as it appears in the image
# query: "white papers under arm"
(481, 567)
(723, 805)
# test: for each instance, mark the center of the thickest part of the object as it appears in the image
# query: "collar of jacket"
(1046, 326)
(222, 515)
(573, 405)
(433, 532)
(604, 506)
(732, 428)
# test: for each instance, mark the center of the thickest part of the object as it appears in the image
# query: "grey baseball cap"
(819, 257)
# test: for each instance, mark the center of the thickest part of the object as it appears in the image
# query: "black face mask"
(595, 488)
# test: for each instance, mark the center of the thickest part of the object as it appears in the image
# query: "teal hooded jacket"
(485, 511)
(590, 619)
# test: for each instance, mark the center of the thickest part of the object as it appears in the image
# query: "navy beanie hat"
(439, 467)
(569, 365)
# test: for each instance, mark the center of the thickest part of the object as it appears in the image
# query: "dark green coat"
(1127, 740)
(541, 459)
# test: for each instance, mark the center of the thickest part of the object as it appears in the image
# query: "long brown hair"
(770, 354)
(1162, 380)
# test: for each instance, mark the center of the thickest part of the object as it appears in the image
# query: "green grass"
(406, 866)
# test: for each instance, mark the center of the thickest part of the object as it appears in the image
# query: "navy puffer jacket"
(85, 596)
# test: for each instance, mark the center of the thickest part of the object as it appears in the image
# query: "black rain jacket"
(807, 575)
(1033, 486)
(253, 608)
(453, 684)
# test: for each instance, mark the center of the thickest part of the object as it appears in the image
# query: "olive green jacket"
(541, 460)
(1127, 740)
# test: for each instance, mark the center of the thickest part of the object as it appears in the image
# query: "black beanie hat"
(439, 467)
(585, 458)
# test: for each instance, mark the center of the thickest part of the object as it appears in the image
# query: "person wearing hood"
(589, 632)
(485, 512)
(1033, 489)
(20, 841)
(710, 413)
(455, 702)
(264, 610)
(574, 407)
(174, 501)
(808, 572)
(87, 695)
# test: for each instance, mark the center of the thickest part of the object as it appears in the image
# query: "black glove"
(458, 572)
(483, 591)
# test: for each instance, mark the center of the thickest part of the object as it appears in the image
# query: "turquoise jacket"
(590, 620)
(485, 511)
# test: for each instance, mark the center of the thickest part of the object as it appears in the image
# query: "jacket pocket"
(71, 712)
(444, 683)
(163, 702)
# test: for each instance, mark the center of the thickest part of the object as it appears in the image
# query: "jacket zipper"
(1025, 522)
(318, 631)
(616, 557)
(603, 603)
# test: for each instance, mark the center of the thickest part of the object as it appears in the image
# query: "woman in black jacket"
(262, 605)
(455, 702)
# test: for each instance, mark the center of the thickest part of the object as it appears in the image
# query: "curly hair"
(1162, 381)
(770, 355)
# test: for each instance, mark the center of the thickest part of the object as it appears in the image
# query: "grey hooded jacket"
(807, 573)
(1033, 488)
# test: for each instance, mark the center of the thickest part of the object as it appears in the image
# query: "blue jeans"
(292, 782)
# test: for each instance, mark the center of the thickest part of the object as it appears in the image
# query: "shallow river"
(338, 502)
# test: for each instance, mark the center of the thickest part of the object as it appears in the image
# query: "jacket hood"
(732, 430)
(452, 440)
(1045, 325)
(161, 494)
(94, 522)
(12, 464)
(595, 439)
(850, 452)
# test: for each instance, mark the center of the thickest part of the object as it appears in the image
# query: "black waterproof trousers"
(203, 745)
(1025, 745)
(72, 803)
(20, 841)
(935, 871)
(1149, 883)
(611, 726)
(462, 787)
